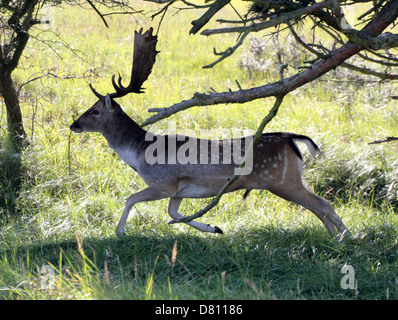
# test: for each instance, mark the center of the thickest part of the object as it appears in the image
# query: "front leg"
(148, 194)
(174, 204)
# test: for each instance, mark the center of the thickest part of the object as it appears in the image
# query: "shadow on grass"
(256, 263)
(11, 172)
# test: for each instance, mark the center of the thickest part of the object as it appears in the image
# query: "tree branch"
(282, 18)
(363, 70)
(333, 59)
(385, 41)
(388, 139)
(22, 35)
(370, 72)
(279, 88)
(213, 9)
(98, 12)
(227, 52)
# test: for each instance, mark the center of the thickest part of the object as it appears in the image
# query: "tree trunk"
(14, 115)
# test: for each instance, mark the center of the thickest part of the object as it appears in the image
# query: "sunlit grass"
(72, 188)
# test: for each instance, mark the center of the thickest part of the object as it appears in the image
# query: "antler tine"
(119, 89)
(120, 82)
(98, 95)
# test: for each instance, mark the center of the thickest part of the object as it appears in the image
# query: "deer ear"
(108, 102)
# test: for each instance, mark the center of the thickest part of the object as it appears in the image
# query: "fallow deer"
(277, 161)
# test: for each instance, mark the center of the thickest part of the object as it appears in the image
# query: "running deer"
(277, 161)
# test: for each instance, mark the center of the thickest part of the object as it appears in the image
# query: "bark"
(10, 96)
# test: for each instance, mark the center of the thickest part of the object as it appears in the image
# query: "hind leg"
(174, 204)
(319, 206)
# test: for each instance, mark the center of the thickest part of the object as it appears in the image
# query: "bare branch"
(332, 60)
(368, 71)
(363, 70)
(160, 1)
(388, 56)
(385, 41)
(228, 52)
(388, 139)
(280, 19)
(51, 74)
(272, 89)
(213, 9)
(196, 6)
(98, 12)
(378, 61)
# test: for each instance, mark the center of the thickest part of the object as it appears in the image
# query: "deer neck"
(124, 134)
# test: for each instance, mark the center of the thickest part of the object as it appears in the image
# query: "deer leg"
(319, 206)
(174, 204)
(148, 194)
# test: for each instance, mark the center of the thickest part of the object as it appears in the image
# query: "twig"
(159, 1)
(273, 22)
(99, 13)
(238, 84)
(53, 75)
(273, 112)
(371, 72)
(363, 70)
(196, 6)
(385, 41)
(164, 10)
(225, 54)
(388, 139)
(124, 12)
(213, 9)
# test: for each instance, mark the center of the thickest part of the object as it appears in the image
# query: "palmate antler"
(143, 60)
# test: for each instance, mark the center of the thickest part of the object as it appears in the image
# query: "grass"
(61, 197)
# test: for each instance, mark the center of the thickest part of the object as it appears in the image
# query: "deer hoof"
(217, 230)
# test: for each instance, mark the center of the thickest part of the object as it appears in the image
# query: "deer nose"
(76, 127)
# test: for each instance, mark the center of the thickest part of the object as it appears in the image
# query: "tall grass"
(60, 208)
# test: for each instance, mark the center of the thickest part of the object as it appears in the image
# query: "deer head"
(101, 113)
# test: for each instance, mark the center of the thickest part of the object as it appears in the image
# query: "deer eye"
(95, 112)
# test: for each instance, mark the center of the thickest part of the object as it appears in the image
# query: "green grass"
(61, 197)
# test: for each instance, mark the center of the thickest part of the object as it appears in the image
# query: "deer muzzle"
(76, 127)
